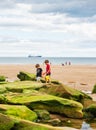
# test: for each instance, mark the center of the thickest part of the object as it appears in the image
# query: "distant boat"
(33, 56)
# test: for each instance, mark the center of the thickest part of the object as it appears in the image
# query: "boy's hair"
(46, 61)
(37, 65)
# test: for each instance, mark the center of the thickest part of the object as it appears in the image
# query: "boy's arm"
(43, 73)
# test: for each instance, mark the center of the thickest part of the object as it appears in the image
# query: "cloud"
(75, 8)
(7, 4)
(53, 28)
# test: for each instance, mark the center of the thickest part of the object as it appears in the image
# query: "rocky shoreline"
(28, 105)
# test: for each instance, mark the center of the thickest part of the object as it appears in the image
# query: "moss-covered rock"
(2, 78)
(23, 76)
(65, 92)
(6, 123)
(2, 87)
(52, 89)
(52, 81)
(3, 99)
(18, 111)
(94, 89)
(55, 122)
(91, 110)
(47, 102)
(3, 90)
(42, 114)
(19, 86)
(26, 76)
(58, 89)
(55, 82)
(26, 125)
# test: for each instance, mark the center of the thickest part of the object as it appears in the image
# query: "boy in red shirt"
(48, 71)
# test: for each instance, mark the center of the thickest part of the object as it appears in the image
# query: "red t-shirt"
(48, 70)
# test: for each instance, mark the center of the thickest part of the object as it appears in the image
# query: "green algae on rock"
(23, 76)
(19, 86)
(18, 111)
(42, 114)
(52, 89)
(51, 103)
(2, 90)
(91, 110)
(6, 123)
(26, 76)
(2, 78)
(27, 125)
(65, 92)
(94, 89)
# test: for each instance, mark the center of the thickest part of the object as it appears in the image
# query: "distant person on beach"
(69, 63)
(48, 71)
(38, 72)
(62, 64)
(66, 63)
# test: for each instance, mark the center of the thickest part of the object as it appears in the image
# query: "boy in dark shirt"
(38, 72)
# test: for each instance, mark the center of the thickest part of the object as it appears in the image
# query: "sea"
(53, 60)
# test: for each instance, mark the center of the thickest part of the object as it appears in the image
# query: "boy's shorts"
(47, 78)
(38, 78)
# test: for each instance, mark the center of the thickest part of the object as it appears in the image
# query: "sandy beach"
(81, 77)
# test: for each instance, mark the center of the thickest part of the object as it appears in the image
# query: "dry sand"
(81, 77)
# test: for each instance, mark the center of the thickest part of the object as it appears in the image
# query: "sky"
(56, 28)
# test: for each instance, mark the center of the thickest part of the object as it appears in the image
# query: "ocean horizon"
(53, 60)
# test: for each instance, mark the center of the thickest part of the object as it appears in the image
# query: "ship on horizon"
(34, 56)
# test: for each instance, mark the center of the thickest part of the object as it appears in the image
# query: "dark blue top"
(39, 72)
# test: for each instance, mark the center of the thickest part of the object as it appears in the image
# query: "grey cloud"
(40, 1)
(7, 4)
(73, 7)
(76, 8)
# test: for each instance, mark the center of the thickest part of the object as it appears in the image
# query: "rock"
(58, 89)
(26, 76)
(42, 114)
(2, 90)
(2, 78)
(2, 99)
(6, 123)
(52, 81)
(94, 89)
(29, 76)
(27, 125)
(50, 103)
(65, 92)
(54, 122)
(55, 82)
(19, 86)
(18, 111)
(91, 110)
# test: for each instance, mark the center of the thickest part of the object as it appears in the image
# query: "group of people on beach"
(66, 63)
(40, 73)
